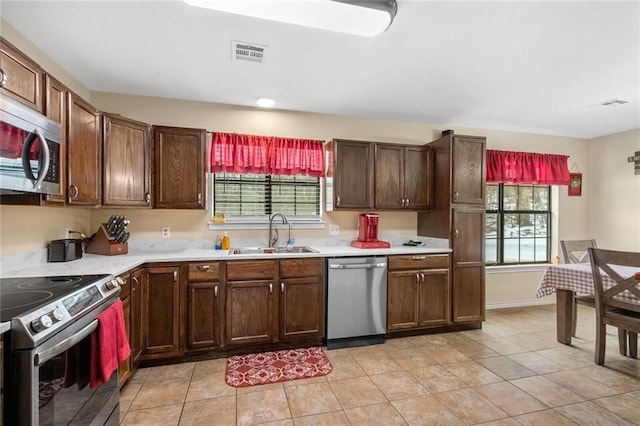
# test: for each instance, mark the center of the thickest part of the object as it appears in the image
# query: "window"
(518, 224)
(238, 194)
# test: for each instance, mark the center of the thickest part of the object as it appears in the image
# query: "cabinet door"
(434, 298)
(353, 175)
(203, 315)
(135, 336)
(468, 170)
(389, 176)
(179, 168)
(124, 368)
(20, 77)
(55, 107)
(468, 264)
(127, 156)
(161, 319)
(402, 300)
(302, 308)
(84, 153)
(251, 315)
(417, 178)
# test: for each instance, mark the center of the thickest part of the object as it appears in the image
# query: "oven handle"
(44, 356)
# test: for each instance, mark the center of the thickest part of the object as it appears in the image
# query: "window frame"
(258, 221)
(500, 214)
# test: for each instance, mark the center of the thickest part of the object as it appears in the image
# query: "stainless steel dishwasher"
(357, 301)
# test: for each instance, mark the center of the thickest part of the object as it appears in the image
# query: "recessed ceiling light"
(265, 102)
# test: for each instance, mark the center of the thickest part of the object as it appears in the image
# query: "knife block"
(102, 243)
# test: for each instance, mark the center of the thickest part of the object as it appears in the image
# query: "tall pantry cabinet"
(458, 214)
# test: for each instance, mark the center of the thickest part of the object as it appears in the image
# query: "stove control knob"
(41, 323)
(112, 284)
(58, 315)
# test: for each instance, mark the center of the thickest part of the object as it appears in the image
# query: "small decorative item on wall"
(575, 184)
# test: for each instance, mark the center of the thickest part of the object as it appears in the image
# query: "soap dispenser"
(226, 242)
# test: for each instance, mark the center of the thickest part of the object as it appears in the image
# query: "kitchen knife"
(125, 237)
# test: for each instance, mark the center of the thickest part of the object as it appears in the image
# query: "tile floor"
(511, 372)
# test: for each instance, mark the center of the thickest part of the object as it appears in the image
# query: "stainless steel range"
(48, 350)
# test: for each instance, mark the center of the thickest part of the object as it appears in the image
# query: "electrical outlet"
(334, 229)
(166, 232)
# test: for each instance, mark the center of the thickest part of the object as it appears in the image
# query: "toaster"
(65, 250)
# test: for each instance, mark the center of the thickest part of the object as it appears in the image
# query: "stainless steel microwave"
(29, 150)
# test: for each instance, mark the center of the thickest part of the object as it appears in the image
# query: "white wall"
(613, 215)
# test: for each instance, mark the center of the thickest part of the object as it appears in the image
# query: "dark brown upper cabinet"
(402, 177)
(179, 168)
(55, 107)
(349, 181)
(84, 153)
(20, 77)
(127, 159)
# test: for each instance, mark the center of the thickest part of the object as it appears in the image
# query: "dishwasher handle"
(357, 265)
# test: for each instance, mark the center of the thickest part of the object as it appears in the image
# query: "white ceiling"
(535, 67)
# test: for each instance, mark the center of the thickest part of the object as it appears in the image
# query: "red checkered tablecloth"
(577, 277)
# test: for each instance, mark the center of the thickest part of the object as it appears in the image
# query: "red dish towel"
(109, 344)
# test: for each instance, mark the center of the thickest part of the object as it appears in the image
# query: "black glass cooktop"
(21, 295)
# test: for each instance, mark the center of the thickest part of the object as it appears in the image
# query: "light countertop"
(118, 264)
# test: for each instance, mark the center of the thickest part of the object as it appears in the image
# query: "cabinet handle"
(175, 275)
(215, 291)
(407, 203)
(456, 233)
(73, 191)
(3, 78)
(456, 194)
(417, 278)
(270, 288)
(135, 282)
(147, 198)
(204, 267)
(419, 257)
(282, 288)
(422, 277)
(199, 197)
(337, 200)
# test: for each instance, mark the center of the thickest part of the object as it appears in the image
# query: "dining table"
(568, 280)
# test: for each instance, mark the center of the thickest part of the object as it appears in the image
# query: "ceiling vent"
(241, 50)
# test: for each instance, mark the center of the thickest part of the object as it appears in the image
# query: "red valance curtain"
(527, 168)
(238, 153)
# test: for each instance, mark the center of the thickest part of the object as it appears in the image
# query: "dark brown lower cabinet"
(418, 292)
(125, 367)
(302, 312)
(204, 293)
(468, 264)
(161, 313)
(138, 278)
(271, 301)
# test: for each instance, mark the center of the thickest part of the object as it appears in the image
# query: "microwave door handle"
(43, 160)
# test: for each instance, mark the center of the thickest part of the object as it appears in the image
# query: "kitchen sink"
(271, 250)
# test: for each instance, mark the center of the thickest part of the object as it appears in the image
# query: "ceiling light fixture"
(265, 102)
(359, 17)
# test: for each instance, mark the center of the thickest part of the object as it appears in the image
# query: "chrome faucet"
(273, 240)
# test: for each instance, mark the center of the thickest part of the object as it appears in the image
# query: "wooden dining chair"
(611, 307)
(577, 251)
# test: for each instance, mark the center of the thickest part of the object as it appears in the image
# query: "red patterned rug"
(278, 366)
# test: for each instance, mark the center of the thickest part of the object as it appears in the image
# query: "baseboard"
(521, 303)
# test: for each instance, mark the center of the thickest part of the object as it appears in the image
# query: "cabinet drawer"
(419, 261)
(295, 268)
(204, 271)
(251, 269)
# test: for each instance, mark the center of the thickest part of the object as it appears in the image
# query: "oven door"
(52, 383)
